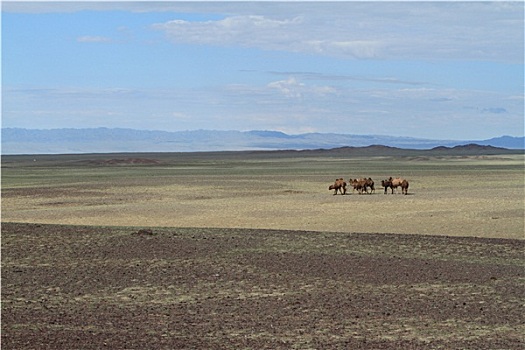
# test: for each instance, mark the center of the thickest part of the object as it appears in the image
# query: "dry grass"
(468, 196)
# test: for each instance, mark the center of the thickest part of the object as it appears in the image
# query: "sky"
(439, 70)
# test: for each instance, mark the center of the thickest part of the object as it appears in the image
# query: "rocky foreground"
(78, 287)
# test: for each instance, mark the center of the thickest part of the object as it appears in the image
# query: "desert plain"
(233, 250)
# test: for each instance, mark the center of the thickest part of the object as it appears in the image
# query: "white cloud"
(464, 30)
(246, 31)
(383, 30)
(292, 34)
(294, 89)
(290, 88)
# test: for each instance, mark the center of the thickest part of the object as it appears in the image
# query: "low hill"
(105, 140)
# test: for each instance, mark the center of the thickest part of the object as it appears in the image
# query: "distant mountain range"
(108, 140)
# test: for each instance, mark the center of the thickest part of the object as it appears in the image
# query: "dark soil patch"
(76, 287)
(122, 161)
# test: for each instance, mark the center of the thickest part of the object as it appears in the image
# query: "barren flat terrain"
(80, 287)
(480, 196)
(252, 251)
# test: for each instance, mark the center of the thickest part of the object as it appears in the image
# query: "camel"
(339, 185)
(395, 183)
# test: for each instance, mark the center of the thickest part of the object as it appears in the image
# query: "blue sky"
(439, 70)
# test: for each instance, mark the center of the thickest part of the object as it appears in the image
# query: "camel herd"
(364, 185)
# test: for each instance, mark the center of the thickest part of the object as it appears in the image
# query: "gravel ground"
(85, 287)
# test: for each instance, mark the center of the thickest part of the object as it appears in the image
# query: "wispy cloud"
(290, 87)
(351, 29)
(245, 31)
(295, 34)
(293, 88)
(93, 39)
(342, 77)
(411, 30)
(291, 105)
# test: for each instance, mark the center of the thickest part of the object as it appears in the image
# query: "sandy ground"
(279, 202)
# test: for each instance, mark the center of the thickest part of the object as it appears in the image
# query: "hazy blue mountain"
(104, 140)
(505, 142)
